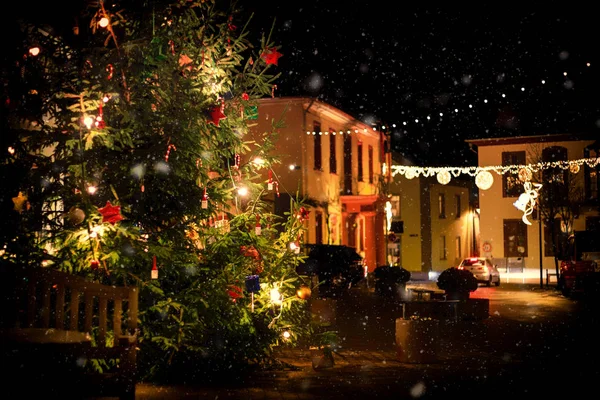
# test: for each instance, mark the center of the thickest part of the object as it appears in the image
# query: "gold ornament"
(524, 175)
(574, 168)
(20, 202)
(304, 292)
(484, 180)
(443, 177)
(75, 216)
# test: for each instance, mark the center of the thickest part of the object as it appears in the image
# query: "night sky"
(392, 64)
(401, 63)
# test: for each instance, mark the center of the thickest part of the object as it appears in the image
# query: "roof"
(563, 137)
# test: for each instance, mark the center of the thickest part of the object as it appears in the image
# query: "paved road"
(535, 343)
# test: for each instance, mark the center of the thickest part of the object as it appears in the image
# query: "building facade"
(505, 236)
(434, 225)
(335, 163)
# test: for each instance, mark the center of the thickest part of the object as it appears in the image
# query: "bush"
(388, 279)
(392, 274)
(457, 280)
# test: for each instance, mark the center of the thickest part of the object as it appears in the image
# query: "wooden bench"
(64, 336)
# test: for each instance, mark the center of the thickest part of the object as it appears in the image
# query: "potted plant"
(390, 281)
(457, 283)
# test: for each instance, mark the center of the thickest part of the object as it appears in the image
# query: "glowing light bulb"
(92, 189)
(34, 51)
(88, 121)
(286, 335)
(242, 191)
(275, 296)
(103, 22)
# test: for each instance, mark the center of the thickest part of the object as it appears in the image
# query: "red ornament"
(216, 115)
(303, 214)
(94, 265)
(110, 213)
(154, 272)
(271, 56)
(245, 96)
(235, 292)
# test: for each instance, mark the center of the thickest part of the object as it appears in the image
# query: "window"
(442, 205)
(457, 197)
(318, 227)
(555, 175)
(317, 143)
(515, 238)
(511, 185)
(443, 250)
(360, 161)
(457, 248)
(395, 200)
(332, 152)
(347, 164)
(370, 164)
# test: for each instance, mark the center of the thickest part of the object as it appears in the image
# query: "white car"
(482, 269)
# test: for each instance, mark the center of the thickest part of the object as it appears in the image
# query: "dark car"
(336, 267)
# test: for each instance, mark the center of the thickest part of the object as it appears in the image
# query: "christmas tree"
(127, 156)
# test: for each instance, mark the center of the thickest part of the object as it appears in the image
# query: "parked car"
(483, 269)
(336, 267)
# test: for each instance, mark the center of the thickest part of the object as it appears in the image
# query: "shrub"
(457, 280)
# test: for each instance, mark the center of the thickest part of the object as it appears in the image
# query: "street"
(535, 343)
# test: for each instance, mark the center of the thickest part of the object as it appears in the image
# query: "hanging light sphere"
(574, 168)
(524, 175)
(304, 292)
(409, 174)
(484, 180)
(443, 177)
(75, 216)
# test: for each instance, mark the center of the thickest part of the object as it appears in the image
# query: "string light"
(411, 172)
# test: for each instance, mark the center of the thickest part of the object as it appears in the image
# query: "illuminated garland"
(484, 178)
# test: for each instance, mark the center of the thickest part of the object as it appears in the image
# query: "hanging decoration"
(271, 56)
(574, 168)
(235, 292)
(257, 228)
(21, 203)
(205, 199)
(216, 114)
(525, 174)
(303, 214)
(304, 292)
(94, 265)
(169, 148)
(443, 177)
(523, 171)
(484, 180)
(270, 181)
(75, 216)
(100, 124)
(110, 213)
(526, 201)
(154, 272)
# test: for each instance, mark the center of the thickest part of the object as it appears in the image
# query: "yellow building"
(334, 161)
(434, 225)
(504, 235)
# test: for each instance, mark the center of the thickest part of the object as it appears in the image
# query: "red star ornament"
(110, 213)
(271, 56)
(216, 115)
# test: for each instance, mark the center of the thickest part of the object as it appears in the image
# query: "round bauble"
(75, 216)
